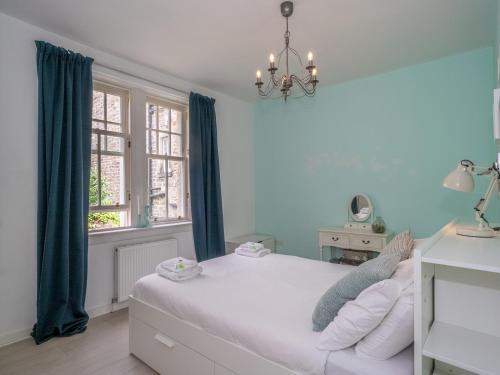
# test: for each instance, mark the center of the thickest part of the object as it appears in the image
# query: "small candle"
(314, 73)
(258, 75)
(310, 57)
(271, 59)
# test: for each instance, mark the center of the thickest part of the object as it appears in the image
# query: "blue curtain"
(64, 128)
(206, 201)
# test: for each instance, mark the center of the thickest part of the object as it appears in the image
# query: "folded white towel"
(253, 254)
(252, 246)
(177, 264)
(180, 276)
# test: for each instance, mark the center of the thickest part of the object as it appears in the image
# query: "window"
(166, 159)
(109, 180)
(137, 163)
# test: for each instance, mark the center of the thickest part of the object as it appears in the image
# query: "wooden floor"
(102, 349)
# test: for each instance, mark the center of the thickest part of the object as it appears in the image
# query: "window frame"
(183, 108)
(124, 94)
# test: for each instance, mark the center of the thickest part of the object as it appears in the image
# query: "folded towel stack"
(179, 269)
(252, 249)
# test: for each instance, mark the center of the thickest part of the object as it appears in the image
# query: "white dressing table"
(356, 237)
(352, 239)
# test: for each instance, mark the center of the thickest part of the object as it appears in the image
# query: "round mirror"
(360, 208)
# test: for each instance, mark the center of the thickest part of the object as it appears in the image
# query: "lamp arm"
(485, 200)
(478, 170)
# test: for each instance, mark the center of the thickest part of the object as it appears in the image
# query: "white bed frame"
(176, 347)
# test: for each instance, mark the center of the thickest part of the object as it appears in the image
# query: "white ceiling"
(220, 43)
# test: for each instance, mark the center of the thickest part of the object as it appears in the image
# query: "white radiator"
(135, 261)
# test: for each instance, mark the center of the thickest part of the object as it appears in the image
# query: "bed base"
(173, 346)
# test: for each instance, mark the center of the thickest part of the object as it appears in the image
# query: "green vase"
(378, 225)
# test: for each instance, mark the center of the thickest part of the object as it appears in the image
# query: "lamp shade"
(459, 179)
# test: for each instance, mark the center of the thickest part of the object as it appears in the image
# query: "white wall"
(18, 150)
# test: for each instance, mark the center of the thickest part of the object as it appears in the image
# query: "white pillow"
(404, 273)
(359, 317)
(394, 333)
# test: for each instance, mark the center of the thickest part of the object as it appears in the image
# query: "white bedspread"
(263, 304)
(346, 362)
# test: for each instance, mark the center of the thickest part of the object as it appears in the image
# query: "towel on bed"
(179, 269)
(180, 276)
(251, 253)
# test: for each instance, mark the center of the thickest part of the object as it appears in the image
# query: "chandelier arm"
(306, 80)
(306, 89)
(267, 91)
(296, 55)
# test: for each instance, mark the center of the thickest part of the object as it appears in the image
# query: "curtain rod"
(141, 78)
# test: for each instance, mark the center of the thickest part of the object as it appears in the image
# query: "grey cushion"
(350, 286)
(401, 245)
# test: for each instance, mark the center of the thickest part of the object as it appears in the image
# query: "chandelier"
(282, 78)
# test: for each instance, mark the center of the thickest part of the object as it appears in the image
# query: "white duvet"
(263, 304)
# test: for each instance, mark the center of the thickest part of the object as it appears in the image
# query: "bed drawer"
(366, 243)
(165, 355)
(334, 239)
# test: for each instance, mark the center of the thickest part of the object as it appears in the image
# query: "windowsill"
(103, 236)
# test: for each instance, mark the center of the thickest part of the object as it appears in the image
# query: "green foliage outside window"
(101, 219)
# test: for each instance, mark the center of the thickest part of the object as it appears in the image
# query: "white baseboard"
(22, 334)
(96, 311)
(14, 336)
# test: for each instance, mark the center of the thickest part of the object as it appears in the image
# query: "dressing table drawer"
(334, 239)
(366, 243)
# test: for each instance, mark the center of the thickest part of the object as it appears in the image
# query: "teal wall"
(393, 136)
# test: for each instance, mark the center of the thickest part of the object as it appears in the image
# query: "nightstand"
(353, 240)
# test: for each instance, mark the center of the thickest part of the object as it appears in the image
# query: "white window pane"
(163, 116)
(94, 142)
(107, 219)
(98, 125)
(112, 180)
(94, 185)
(164, 143)
(175, 190)
(151, 110)
(113, 105)
(98, 105)
(114, 144)
(151, 146)
(176, 121)
(157, 180)
(114, 128)
(176, 145)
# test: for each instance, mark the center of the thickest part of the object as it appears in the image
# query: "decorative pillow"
(350, 286)
(394, 333)
(358, 318)
(404, 273)
(401, 245)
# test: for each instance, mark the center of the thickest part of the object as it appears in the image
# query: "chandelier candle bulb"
(258, 74)
(310, 58)
(271, 59)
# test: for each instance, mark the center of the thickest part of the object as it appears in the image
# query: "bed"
(243, 316)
